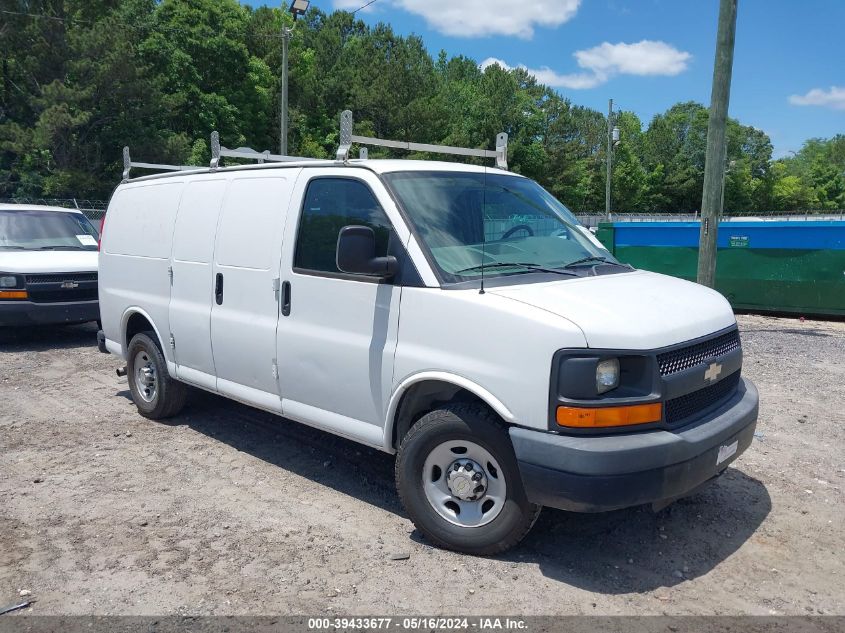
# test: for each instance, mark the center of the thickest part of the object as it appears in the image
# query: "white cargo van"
(48, 266)
(455, 315)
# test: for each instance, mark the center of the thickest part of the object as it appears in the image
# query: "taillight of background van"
(100, 236)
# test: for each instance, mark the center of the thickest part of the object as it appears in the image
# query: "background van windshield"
(516, 220)
(46, 230)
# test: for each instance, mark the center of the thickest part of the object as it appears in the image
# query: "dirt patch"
(228, 510)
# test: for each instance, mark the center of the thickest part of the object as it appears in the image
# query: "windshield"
(46, 230)
(509, 224)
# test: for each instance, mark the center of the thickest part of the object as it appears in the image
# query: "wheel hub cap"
(466, 480)
(145, 377)
(464, 483)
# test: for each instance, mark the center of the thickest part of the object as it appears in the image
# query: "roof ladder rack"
(218, 152)
(128, 164)
(347, 138)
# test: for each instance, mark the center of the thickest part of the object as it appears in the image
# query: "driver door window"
(331, 204)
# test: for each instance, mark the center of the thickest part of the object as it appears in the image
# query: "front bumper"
(599, 473)
(16, 313)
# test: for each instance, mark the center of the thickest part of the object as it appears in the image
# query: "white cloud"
(642, 58)
(833, 98)
(602, 62)
(480, 18)
(545, 75)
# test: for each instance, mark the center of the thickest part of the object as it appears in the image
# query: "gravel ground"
(228, 510)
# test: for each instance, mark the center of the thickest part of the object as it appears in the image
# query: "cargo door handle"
(218, 289)
(286, 298)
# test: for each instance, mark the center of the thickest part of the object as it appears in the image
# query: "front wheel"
(459, 481)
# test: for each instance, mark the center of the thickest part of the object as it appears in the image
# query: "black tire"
(170, 395)
(474, 423)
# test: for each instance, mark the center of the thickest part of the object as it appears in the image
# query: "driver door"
(337, 333)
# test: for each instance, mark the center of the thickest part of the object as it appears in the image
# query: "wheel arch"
(417, 394)
(132, 323)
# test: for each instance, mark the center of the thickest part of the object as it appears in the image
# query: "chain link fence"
(592, 220)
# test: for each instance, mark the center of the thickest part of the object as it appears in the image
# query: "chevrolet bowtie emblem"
(712, 373)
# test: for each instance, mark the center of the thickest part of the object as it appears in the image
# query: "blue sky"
(789, 66)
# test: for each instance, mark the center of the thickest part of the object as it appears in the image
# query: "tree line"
(82, 78)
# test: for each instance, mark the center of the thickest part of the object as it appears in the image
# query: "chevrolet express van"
(48, 266)
(455, 315)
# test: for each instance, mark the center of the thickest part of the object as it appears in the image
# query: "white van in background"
(453, 314)
(48, 266)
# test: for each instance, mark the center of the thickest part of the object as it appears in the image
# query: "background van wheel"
(459, 481)
(154, 392)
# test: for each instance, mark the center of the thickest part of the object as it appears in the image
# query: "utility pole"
(714, 165)
(286, 33)
(609, 159)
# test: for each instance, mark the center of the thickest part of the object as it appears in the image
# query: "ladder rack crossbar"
(424, 147)
(347, 139)
(251, 154)
(163, 167)
(128, 164)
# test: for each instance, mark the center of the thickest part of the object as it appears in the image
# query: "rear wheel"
(459, 481)
(154, 392)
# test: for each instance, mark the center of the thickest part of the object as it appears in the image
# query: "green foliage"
(159, 76)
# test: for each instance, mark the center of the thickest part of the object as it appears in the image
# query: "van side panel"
(193, 281)
(135, 256)
(246, 261)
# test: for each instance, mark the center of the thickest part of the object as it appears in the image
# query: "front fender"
(441, 376)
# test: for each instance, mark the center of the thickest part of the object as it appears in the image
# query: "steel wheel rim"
(146, 379)
(449, 497)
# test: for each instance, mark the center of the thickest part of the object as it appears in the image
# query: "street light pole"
(609, 159)
(296, 8)
(283, 136)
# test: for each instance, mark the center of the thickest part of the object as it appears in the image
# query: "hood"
(637, 310)
(29, 262)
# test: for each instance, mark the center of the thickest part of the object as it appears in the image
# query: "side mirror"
(356, 253)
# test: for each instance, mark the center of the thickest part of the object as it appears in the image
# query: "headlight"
(8, 281)
(607, 375)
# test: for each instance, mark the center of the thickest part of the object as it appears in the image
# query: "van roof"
(35, 207)
(378, 166)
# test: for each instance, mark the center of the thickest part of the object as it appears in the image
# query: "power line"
(364, 7)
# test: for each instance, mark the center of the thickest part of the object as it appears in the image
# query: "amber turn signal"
(13, 294)
(584, 418)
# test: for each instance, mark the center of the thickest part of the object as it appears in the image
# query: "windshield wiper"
(13, 246)
(62, 247)
(530, 267)
(592, 258)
